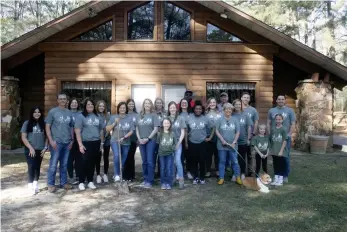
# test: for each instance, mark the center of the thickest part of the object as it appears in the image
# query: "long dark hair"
(189, 109)
(78, 104)
(131, 100)
(33, 122)
(198, 103)
(85, 112)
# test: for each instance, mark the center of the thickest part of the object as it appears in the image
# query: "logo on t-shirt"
(147, 121)
(227, 127)
(37, 130)
(262, 147)
(277, 138)
(197, 126)
(93, 122)
(176, 124)
(249, 114)
(242, 121)
(166, 142)
(61, 119)
(125, 126)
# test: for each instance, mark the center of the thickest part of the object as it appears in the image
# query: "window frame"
(228, 42)
(190, 11)
(155, 21)
(109, 19)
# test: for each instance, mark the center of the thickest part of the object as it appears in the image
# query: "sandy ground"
(196, 208)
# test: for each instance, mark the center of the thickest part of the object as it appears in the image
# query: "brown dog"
(257, 184)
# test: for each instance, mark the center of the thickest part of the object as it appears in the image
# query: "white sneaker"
(177, 177)
(242, 176)
(116, 178)
(91, 185)
(98, 179)
(275, 179)
(35, 186)
(233, 179)
(30, 185)
(105, 178)
(81, 187)
(189, 175)
(279, 181)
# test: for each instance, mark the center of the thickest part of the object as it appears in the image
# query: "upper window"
(141, 22)
(176, 23)
(102, 32)
(215, 34)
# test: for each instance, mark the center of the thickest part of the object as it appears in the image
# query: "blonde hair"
(97, 107)
(234, 102)
(208, 104)
(262, 125)
(143, 111)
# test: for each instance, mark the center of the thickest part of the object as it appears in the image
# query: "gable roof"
(39, 34)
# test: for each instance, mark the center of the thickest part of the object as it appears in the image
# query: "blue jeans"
(231, 154)
(179, 166)
(166, 169)
(61, 155)
(148, 160)
(124, 149)
(287, 159)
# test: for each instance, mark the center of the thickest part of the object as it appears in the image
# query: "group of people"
(184, 140)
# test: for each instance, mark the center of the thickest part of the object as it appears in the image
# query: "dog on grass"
(257, 184)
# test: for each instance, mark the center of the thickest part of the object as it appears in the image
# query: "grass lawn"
(314, 200)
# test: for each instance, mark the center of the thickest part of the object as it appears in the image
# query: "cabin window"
(172, 93)
(215, 34)
(234, 90)
(176, 23)
(95, 90)
(102, 32)
(140, 92)
(141, 22)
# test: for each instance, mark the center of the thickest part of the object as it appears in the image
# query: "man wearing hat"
(224, 98)
(189, 96)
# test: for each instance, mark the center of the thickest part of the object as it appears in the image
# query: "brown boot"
(67, 187)
(52, 189)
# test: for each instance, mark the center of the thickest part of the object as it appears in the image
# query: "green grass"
(314, 200)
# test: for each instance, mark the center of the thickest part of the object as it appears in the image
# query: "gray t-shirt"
(35, 138)
(213, 116)
(125, 125)
(228, 128)
(74, 116)
(185, 116)
(177, 126)
(147, 124)
(288, 116)
(61, 124)
(197, 128)
(252, 113)
(244, 122)
(161, 116)
(133, 116)
(90, 126)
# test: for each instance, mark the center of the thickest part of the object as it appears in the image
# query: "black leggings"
(87, 161)
(34, 165)
(129, 166)
(106, 160)
(197, 151)
(71, 163)
(279, 165)
(245, 152)
(212, 152)
(260, 162)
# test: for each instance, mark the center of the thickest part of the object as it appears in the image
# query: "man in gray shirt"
(224, 98)
(59, 129)
(289, 120)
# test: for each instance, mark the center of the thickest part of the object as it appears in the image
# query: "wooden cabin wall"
(192, 69)
(31, 84)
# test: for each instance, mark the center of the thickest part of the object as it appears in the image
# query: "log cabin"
(115, 50)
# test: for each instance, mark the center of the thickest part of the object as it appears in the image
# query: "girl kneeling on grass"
(228, 131)
(167, 147)
(260, 144)
(278, 149)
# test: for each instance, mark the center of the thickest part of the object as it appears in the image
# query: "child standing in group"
(260, 144)
(166, 151)
(278, 150)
